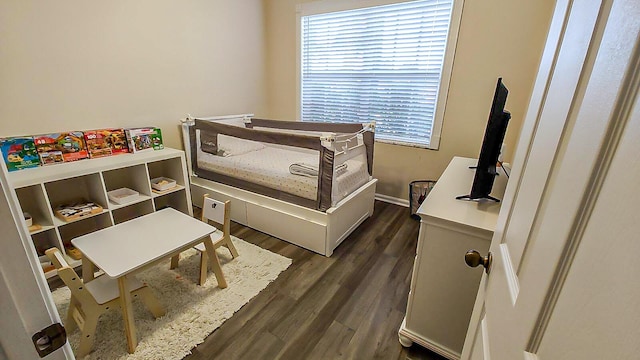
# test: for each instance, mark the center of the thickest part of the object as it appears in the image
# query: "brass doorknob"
(473, 259)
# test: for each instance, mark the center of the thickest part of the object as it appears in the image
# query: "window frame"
(328, 6)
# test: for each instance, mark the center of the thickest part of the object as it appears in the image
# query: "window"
(383, 63)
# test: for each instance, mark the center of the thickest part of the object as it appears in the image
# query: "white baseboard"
(392, 200)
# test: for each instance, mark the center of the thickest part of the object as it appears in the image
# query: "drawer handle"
(473, 259)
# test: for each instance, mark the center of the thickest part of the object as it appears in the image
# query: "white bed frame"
(311, 229)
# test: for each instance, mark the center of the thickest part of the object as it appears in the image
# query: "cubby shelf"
(168, 191)
(72, 262)
(42, 229)
(138, 199)
(40, 190)
(57, 222)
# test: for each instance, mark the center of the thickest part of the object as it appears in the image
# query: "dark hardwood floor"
(348, 306)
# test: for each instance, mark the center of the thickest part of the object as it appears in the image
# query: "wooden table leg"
(127, 314)
(174, 261)
(87, 269)
(215, 262)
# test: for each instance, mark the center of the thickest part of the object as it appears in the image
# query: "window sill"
(406, 144)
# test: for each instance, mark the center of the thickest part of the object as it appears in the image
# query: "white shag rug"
(193, 311)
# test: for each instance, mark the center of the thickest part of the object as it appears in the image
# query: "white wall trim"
(392, 200)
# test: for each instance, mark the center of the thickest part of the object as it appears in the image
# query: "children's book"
(61, 147)
(19, 153)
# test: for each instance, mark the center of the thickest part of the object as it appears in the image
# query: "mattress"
(268, 166)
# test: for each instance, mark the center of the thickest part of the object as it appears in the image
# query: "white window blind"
(380, 63)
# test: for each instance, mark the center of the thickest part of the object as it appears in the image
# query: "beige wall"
(80, 65)
(74, 65)
(497, 38)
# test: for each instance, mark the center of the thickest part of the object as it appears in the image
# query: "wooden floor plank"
(307, 275)
(334, 340)
(265, 346)
(296, 319)
(359, 305)
(233, 336)
(306, 338)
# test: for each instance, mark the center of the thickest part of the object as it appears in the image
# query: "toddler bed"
(306, 183)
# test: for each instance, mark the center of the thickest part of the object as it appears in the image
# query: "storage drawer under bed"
(287, 226)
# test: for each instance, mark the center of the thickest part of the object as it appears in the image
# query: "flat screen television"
(491, 145)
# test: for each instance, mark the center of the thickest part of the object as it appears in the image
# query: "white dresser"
(443, 287)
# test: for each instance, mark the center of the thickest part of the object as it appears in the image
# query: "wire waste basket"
(418, 191)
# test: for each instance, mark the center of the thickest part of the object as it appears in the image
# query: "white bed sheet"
(270, 167)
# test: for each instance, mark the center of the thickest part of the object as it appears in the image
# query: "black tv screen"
(491, 145)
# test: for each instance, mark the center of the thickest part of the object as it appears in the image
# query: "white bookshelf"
(40, 190)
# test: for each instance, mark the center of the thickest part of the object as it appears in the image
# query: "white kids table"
(125, 248)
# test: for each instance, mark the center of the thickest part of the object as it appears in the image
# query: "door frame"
(25, 299)
(595, 169)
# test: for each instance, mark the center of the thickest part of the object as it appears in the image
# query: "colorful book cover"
(106, 142)
(144, 139)
(61, 147)
(19, 153)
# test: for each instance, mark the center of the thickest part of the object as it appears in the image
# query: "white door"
(26, 306)
(563, 284)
